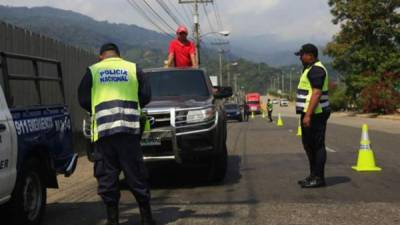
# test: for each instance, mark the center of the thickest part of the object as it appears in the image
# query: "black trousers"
(313, 138)
(116, 153)
(270, 115)
(246, 116)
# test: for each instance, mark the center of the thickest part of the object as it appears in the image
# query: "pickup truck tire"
(219, 166)
(219, 163)
(29, 198)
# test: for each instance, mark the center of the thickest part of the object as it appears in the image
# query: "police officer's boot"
(112, 215)
(146, 217)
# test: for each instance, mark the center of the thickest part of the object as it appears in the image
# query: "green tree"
(367, 48)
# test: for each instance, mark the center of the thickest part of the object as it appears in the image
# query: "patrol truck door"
(7, 151)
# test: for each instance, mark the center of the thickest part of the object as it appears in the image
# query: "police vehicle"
(35, 142)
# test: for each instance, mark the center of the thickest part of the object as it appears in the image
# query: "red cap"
(181, 29)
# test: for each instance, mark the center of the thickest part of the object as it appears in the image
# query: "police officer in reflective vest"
(270, 107)
(113, 91)
(312, 103)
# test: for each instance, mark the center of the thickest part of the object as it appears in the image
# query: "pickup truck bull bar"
(173, 124)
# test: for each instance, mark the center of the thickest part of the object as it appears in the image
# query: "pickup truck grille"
(160, 120)
(176, 118)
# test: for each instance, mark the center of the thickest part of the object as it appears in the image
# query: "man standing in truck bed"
(114, 91)
(181, 52)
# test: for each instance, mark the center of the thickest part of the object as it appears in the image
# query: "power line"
(209, 23)
(217, 14)
(138, 8)
(185, 20)
(208, 19)
(158, 15)
(187, 13)
(169, 12)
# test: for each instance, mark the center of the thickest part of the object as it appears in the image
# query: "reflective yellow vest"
(304, 92)
(115, 98)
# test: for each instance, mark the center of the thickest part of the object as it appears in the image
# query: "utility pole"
(221, 51)
(196, 20)
(235, 82)
(290, 82)
(229, 75)
(278, 81)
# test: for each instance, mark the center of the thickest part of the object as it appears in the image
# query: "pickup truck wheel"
(29, 197)
(219, 165)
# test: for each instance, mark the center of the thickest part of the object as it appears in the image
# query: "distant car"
(233, 112)
(284, 102)
(275, 101)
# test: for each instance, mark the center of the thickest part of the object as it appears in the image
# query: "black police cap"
(109, 47)
(309, 49)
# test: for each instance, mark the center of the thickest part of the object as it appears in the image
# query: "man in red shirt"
(182, 52)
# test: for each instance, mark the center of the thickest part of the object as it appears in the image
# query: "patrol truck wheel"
(29, 197)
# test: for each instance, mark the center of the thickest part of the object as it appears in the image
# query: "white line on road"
(330, 150)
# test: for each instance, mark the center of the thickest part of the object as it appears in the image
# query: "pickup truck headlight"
(196, 116)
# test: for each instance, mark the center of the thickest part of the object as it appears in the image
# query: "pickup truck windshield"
(178, 83)
(253, 102)
(231, 107)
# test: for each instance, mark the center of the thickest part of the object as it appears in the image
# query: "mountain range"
(149, 48)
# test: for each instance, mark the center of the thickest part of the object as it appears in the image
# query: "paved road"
(264, 164)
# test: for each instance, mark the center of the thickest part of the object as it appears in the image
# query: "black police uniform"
(120, 152)
(313, 137)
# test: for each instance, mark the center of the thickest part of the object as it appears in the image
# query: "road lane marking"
(330, 150)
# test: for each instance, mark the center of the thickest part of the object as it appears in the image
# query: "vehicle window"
(253, 102)
(178, 83)
(231, 106)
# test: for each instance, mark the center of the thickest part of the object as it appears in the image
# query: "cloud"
(253, 6)
(287, 19)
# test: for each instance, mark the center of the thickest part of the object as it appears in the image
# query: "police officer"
(113, 91)
(270, 107)
(246, 111)
(312, 104)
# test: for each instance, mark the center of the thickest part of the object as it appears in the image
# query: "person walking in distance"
(182, 52)
(246, 112)
(270, 107)
(114, 91)
(312, 103)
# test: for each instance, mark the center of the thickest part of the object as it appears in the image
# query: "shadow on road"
(167, 177)
(332, 181)
(85, 213)
(173, 176)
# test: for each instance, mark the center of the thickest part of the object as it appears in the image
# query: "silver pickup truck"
(187, 120)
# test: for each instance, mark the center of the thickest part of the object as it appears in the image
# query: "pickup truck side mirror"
(222, 92)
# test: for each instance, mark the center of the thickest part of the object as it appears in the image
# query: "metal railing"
(36, 77)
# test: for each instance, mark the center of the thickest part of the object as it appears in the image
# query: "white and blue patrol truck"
(35, 144)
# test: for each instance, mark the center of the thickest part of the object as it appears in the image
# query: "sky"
(284, 19)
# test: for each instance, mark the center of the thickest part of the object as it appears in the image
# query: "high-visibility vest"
(115, 98)
(270, 106)
(304, 92)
